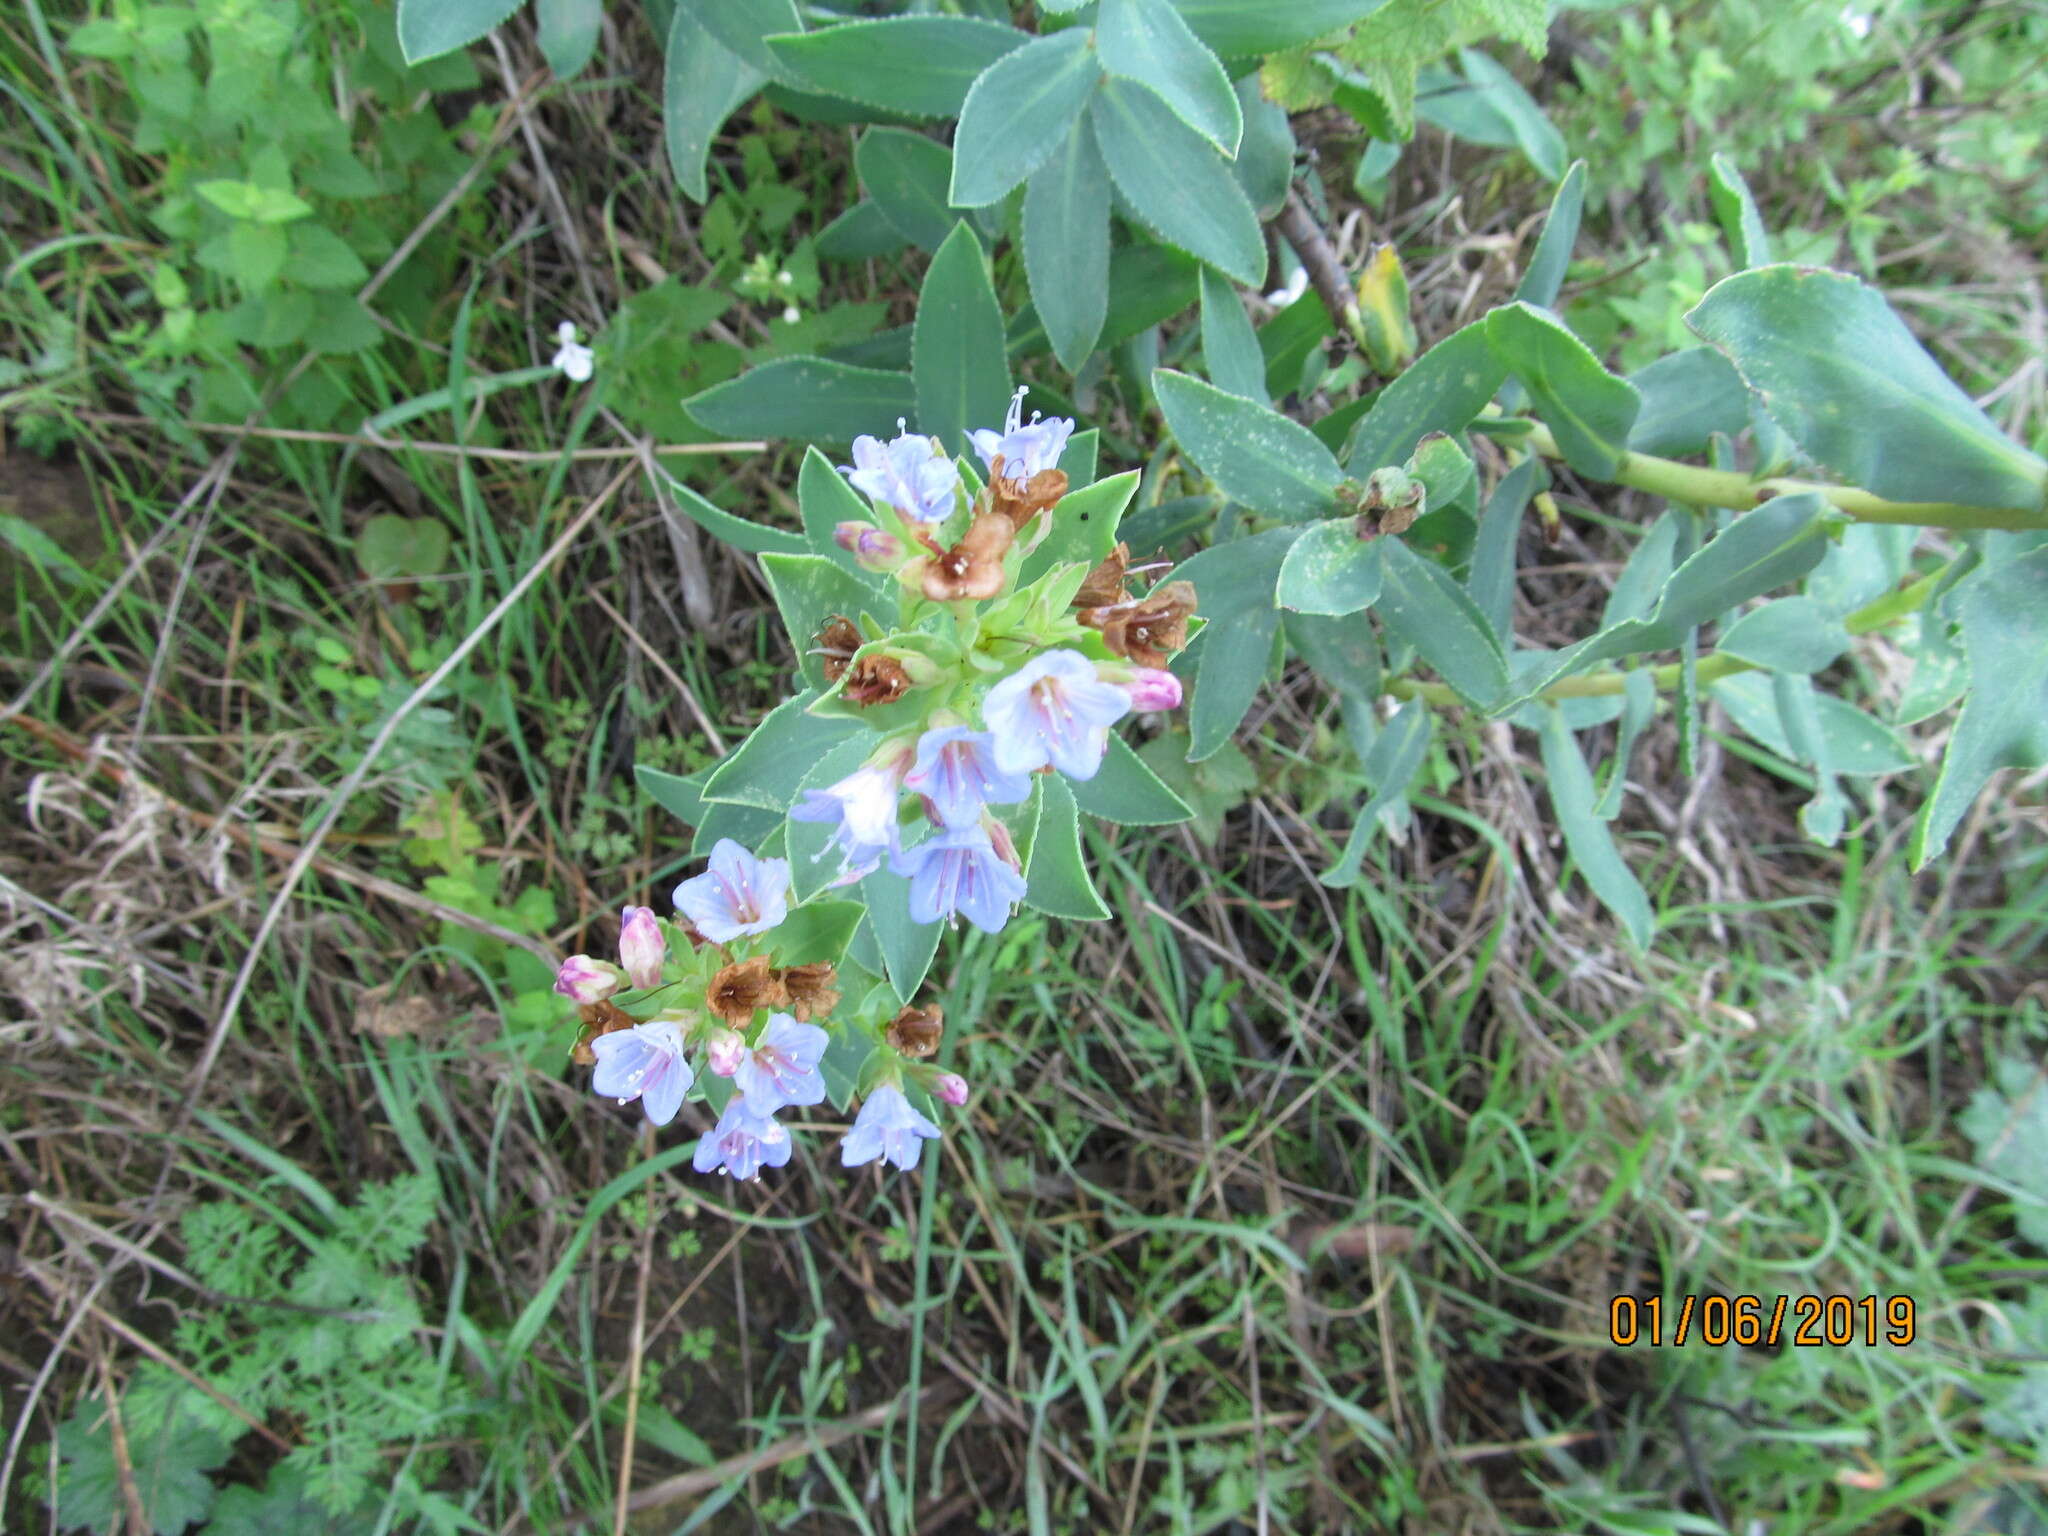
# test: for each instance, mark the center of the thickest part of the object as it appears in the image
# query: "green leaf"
(680, 795)
(816, 933)
(568, 32)
(1587, 408)
(806, 397)
(842, 1062)
(1264, 166)
(906, 175)
(1230, 347)
(1084, 527)
(2004, 723)
(957, 358)
(1389, 766)
(1242, 29)
(288, 1502)
(743, 27)
(907, 946)
(748, 537)
(103, 39)
(860, 233)
(168, 1459)
(809, 590)
(1213, 788)
(1390, 45)
(1736, 209)
(1445, 389)
(919, 66)
(824, 501)
(1844, 738)
(1128, 793)
(393, 548)
(1066, 245)
(1794, 634)
(429, 28)
(813, 861)
(751, 826)
(1330, 571)
(1176, 182)
(1421, 604)
(256, 255)
(1492, 579)
(1585, 835)
(1234, 585)
(1687, 397)
(1017, 114)
(1342, 652)
(1490, 107)
(1147, 41)
(1254, 454)
(2008, 1126)
(1056, 874)
(767, 769)
(702, 81)
(1839, 371)
(322, 259)
(1545, 274)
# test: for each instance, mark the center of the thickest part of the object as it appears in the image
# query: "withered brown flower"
(1022, 500)
(1149, 629)
(974, 567)
(738, 990)
(876, 680)
(599, 1018)
(810, 989)
(916, 1031)
(1105, 584)
(836, 643)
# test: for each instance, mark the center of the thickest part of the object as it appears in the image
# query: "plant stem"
(1701, 487)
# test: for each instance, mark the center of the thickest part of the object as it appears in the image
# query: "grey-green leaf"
(1066, 245)
(1587, 408)
(1794, 634)
(1389, 767)
(702, 81)
(1737, 211)
(1056, 874)
(907, 174)
(1148, 41)
(1230, 347)
(919, 66)
(1586, 835)
(1421, 604)
(1442, 391)
(1257, 456)
(807, 397)
(1177, 182)
(957, 356)
(1128, 793)
(1330, 571)
(1017, 113)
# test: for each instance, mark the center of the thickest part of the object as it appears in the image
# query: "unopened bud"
(642, 947)
(951, 1088)
(1005, 845)
(1153, 688)
(585, 981)
(724, 1050)
(871, 547)
(1384, 327)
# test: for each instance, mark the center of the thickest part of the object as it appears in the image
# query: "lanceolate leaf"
(1545, 275)
(1687, 397)
(1839, 371)
(1257, 456)
(957, 355)
(2004, 723)
(1084, 526)
(906, 174)
(907, 947)
(1017, 113)
(1492, 582)
(809, 590)
(825, 500)
(744, 27)
(1587, 408)
(767, 768)
(806, 397)
(1066, 245)
(1420, 604)
(568, 32)
(702, 81)
(1242, 29)
(736, 531)
(1128, 793)
(920, 66)
(1330, 571)
(1147, 41)
(1443, 391)
(1794, 634)
(1177, 182)
(429, 28)
(1057, 871)
(1586, 835)
(1736, 210)
(1230, 347)
(1234, 595)
(1389, 767)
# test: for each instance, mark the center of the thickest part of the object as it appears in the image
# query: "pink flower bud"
(641, 946)
(585, 981)
(872, 548)
(951, 1088)
(725, 1049)
(1005, 845)
(1153, 688)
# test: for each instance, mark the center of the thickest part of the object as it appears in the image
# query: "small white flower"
(572, 359)
(1297, 285)
(1858, 22)
(785, 277)
(791, 314)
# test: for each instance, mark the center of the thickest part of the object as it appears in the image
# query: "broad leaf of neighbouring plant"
(809, 591)
(906, 174)
(957, 358)
(919, 66)
(392, 548)
(429, 28)
(767, 768)
(702, 81)
(1421, 604)
(168, 1461)
(1330, 570)
(1736, 209)
(1056, 875)
(1128, 793)
(1212, 788)
(1084, 526)
(2004, 723)
(1234, 595)
(907, 947)
(1794, 634)
(1230, 347)
(1443, 391)
(1586, 835)
(1066, 245)
(806, 397)
(1587, 408)
(1236, 29)
(2008, 1125)
(567, 31)
(1018, 112)
(1389, 767)
(749, 537)
(1175, 181)
(288, 1503)
(1148, 41)
(1256, 456)
(1687, 397)
(1839, 371)
(1545, 273)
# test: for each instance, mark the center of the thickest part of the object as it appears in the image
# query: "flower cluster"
(985, 682)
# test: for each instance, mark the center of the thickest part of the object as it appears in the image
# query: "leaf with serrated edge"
(1018, 112)
(1066, 245)
(1254, 454)
(1147, 41)
(1176, 182)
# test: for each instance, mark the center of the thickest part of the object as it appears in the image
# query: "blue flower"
(887, 1127)
(645, 1063)
(742, 1143)
(861, 809)
(957, 869)
(1024, 450)
(957, 771)
(739, 894)
(1054, 709)
(782, 1068)
(909, 472)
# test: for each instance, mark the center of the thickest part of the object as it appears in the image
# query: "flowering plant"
(967, 639)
